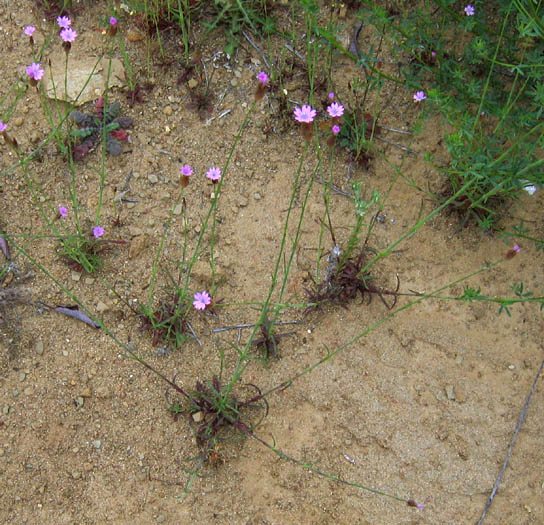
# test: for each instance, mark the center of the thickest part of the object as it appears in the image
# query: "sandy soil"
(423, 407)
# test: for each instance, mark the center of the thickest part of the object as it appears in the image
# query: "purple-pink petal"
(214, 174)
(113, 21)
(35, 71)
(201, 300)
(68, 34)
(63, 211)
(2, 127)
(186, 170)
(64, 21)
(305, 113)
(29, 30)
(98, 231)
(262, 77)
(335, 110)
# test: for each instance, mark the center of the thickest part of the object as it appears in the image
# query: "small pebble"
(5, 410)
(22, 377)
(160, 519)
(168, 110)
(15, 393)
(76, 474)
(39, 347)
(153, 178)
(101, 307)
(76, 276)
(450, 392)
(257, 196)
(79, 402)
(198, 417)
(18, 121)
(65, 353)
(96, 443)
(178, 209)
(193, 82)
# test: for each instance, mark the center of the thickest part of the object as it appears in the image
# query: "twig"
(403, 148)
(521, 419)
(194, 333)
(293, 50)
(248, 325)
(248, 38)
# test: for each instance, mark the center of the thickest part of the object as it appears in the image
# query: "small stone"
(5, 410)
(39, 347)
(15, 393)
(86, 392)
(160, 519)
(450, 392)
(257, 196)
(168, 110)
(153, 178)
(96, 443)
(178, 209)
(79, 401)
(243, 202)
(76, 474)
(512, 367)
(76, 276)
(65, 353)
(234, 82)
(198, 417)
(89, 280)
(102, 307)
(18, 121)
(22, 377)
(193, 82)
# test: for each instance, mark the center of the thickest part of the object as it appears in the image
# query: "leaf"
(120, 134)
(124, 122)
(83, 120)
(76, 313)
(83, 132)
(4, 247)
(112, 111)
(113, 146)
(82, 149)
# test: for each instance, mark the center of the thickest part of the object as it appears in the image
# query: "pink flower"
(305, 114)
(64, 21)
(113, 21)
(35, 71)
(335, 110)
(98, 231)
(2, 127)
(469, 10)
(262, 77)
(433, 53)
(335, 129)
(186, 170)
(201, 300)
(331, 95)
(63, 211)
(29, 30)
(516, 248)
(68, 34)
(214, 174)
(419, 96)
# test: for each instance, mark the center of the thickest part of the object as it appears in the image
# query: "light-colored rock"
(80, 70)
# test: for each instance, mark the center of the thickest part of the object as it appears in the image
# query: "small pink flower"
(335, 129)
(186, 170)
(2, 127)
(214, 174)
(516, 248)
(201, 300)
(63, 211)
(335, 110)
(64, 21)
(262, 77)
(419, 96)
(113, 21)
(98, 231)
(29, 30)
(469, 10)
(305, 114)
(433, 53)
(331, 95)
(35, 71)
(68, 34)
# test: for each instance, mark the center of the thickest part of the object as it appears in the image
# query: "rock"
(5, 410)
(257, 196)
(153, 178)
(76, 276)
(102, 307)
(86, 77)
(96, 443)
(168, 111)
(39, 347)
(86, 392)
(193, 82)
(198, 417)
(178, 209)
(76, 474)
(450, 392)
(79, 401)
(138, 245)
(22, 377)
(18, 121)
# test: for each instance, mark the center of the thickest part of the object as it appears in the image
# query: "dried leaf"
(4, 247)
(76, 313)
(113, 146)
